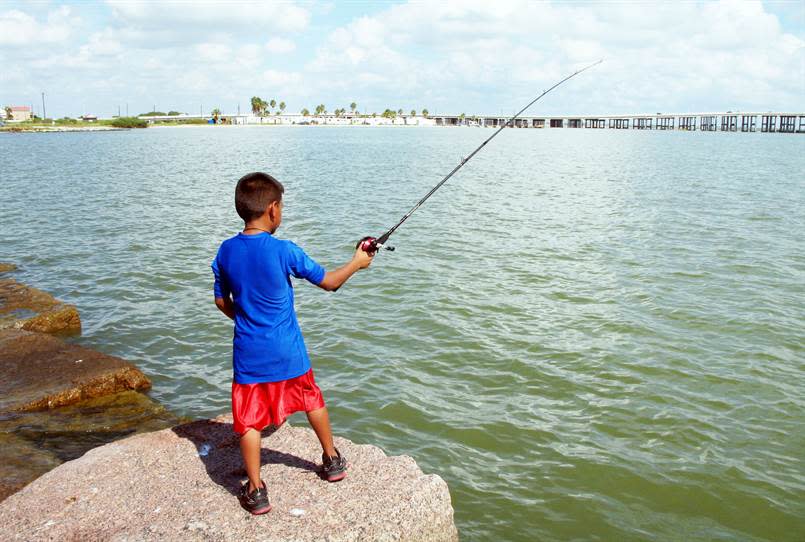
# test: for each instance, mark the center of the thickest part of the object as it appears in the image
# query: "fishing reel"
(370, 245)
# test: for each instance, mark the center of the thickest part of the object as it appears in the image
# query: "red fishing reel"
(370, 245)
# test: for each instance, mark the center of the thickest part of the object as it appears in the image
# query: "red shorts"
(256, 406)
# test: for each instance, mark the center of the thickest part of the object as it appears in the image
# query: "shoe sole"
(337, 477)
(261, 511)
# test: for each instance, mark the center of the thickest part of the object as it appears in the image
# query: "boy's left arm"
(226, 306)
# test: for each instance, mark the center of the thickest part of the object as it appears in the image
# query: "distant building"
(19, 113)
(89, 118)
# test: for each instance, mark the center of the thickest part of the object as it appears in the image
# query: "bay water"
(590, 335)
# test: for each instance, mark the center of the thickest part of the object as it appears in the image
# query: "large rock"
(181, 484)
(34, 442)
(20, 462)
(24, 307)
(40, 371)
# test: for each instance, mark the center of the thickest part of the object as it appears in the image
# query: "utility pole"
(44, 114)
(118, 111)
(127, 109)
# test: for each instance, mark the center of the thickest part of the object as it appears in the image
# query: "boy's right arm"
(226, 306)
(333, 280)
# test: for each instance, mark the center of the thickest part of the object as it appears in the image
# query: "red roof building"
(20, 112)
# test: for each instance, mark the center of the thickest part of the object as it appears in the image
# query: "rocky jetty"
(24, 307)
(58, 400)
(181, 484)
(40, 371)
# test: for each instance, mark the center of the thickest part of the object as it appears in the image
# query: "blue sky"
(450, 57)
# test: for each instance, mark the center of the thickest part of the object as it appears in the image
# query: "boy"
(272, 373)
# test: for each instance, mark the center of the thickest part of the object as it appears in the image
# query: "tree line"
(260, 107)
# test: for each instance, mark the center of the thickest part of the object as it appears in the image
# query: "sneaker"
(334, 468)
(255, 502)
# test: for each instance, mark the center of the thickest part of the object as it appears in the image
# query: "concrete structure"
(780, 122)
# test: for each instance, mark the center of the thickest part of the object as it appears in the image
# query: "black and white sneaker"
(255, 502)
(334, 468)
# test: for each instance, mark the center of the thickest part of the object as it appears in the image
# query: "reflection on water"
(588, 335)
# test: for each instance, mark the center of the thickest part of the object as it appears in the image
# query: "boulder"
(41, 371)
(20, 462)
(34, 442)
(24, 307)
(6, 267)
(181, 484)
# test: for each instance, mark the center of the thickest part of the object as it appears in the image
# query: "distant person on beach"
(272, 373)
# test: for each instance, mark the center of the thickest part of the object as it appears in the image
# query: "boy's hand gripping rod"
(373, 244)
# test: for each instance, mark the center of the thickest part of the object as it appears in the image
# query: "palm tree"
(257, 105)
(215, 114)
(282, 107)
(400, 112)
(353, 106)
(425, 113)
(273, 103)
(9, 113)
(413, 112)
(305, 112)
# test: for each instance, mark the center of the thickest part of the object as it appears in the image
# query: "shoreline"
(14, 129)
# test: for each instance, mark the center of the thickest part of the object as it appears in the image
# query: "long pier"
(767, 122)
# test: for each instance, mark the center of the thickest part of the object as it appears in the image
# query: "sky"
(451, 57)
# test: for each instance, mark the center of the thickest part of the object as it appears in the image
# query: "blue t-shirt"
(256, 270)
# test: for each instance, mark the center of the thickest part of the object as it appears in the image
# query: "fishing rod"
(372, 244)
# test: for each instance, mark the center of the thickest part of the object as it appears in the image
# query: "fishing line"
(373, 244)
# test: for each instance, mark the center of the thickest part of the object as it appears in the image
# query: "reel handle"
(370, 245)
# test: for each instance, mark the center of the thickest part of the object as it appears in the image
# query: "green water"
(590, 335)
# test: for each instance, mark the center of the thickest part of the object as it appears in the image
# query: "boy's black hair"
(254, 192)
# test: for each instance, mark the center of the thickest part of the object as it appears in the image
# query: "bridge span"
(767, 122)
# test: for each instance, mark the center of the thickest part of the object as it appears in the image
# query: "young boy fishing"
(272, 373)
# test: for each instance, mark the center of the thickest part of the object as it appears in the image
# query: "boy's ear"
(272, 210)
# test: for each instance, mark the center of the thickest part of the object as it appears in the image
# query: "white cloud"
(21, 29)
(280, 45)
(659, 56)
(214, 52)
(451, 56)
(228, 17)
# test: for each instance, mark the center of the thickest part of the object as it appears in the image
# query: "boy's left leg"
(250, 449)
(254, 495)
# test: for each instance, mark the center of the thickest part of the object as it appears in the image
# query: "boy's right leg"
(335, 465)
(320, 422)
(250, 449)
